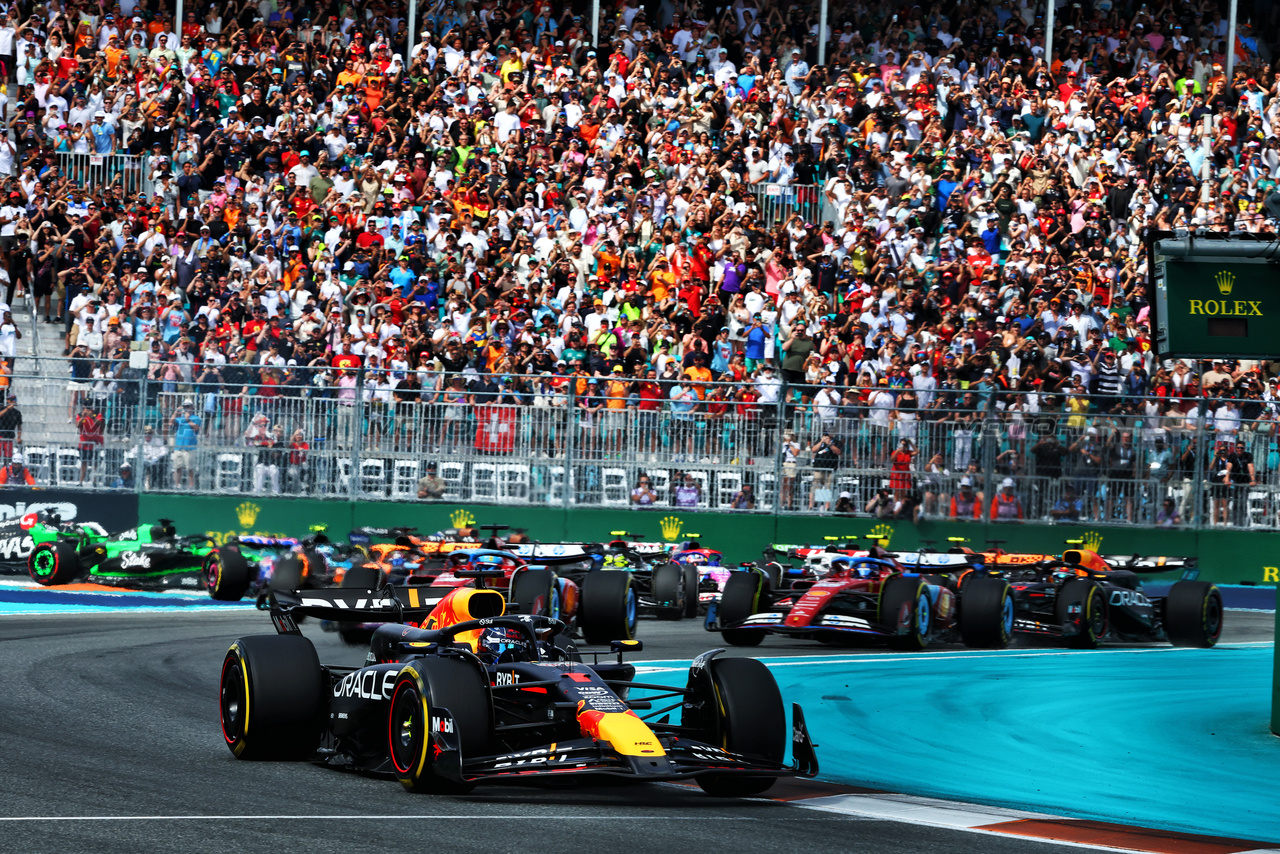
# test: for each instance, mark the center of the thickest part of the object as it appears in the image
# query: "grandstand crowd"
(509, 213)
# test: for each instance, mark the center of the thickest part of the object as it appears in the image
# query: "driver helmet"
(841, 564)
(864, 570)
(501, 641)
(616, 560)
(397, 558)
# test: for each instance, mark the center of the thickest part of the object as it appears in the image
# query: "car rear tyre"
(607, 611)
(362, 578)
(669, 591)
(226, 574)
(272, 698)
(739, 600)
(1092, 615)
(1193, 614)
(423, 686)
(54, 563)
(288, 574)
(773, 571)
(910, 592)
(986, 613)
(692, 581)
(752, 721)
(533, 591)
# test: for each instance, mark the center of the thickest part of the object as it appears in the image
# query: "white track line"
(266, 817)
(951, 815)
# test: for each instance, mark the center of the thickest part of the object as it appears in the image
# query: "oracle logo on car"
(367, 685)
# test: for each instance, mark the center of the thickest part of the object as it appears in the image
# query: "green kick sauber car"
(145, 556)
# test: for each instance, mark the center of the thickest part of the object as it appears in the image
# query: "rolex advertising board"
(1209, 305)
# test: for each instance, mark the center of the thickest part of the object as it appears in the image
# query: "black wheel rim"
(1213, 617)
(1097, 615)
(44, 562)
(406, 728)
(233, 702)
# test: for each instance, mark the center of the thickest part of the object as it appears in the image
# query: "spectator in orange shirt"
(966, 504)
(616, 390)
(16, 473)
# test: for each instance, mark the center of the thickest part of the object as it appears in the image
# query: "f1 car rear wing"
(935, 560)
(388, 605)
(253, 540)
(364, 536)
(1150, 563)
(553, 552)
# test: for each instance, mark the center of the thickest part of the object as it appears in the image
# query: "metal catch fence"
(621, 442)
(126, 171)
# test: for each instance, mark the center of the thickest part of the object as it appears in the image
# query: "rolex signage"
(1210, 306)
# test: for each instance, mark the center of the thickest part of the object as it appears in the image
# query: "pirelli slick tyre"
(226, 574)
(607, 610)
(986, 613)
(272, 698)
(533, 591)
(692, 579)
(362, 578)
(1092, 614)
(738, 601)
(414, 729)
(911, 592)
(751, 720)
(288, 574)
(1193, 614)
(54, 563)
(773, 571)
(669, 591)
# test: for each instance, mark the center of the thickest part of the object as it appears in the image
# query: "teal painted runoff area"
(1158, 737)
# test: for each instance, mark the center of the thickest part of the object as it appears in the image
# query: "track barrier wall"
(1227, 557)
(114, 511)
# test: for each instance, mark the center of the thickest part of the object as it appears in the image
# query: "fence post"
(570, 441)
(780, 432)
(355, 485)
(1201, 465)
(139, 443)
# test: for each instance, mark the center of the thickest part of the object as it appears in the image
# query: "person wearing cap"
(826, 451)
(270, 452)
(1005, 504)
(185, 428)
(155, 454)
(431, 487)
(1068, 508)
(104, 134)
(966, 502)
(1087, 453)
(125, 478)
(16, 473)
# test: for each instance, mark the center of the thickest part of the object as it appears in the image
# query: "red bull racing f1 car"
(473, 695)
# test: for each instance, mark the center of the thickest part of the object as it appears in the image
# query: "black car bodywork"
(441, 713)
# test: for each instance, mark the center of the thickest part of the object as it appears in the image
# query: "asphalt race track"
(111, 743)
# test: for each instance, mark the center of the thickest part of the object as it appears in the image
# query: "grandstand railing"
(524, 440)
(127, 171)
(777, 203)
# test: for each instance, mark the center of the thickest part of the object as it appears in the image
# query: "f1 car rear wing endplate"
(388, 605)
